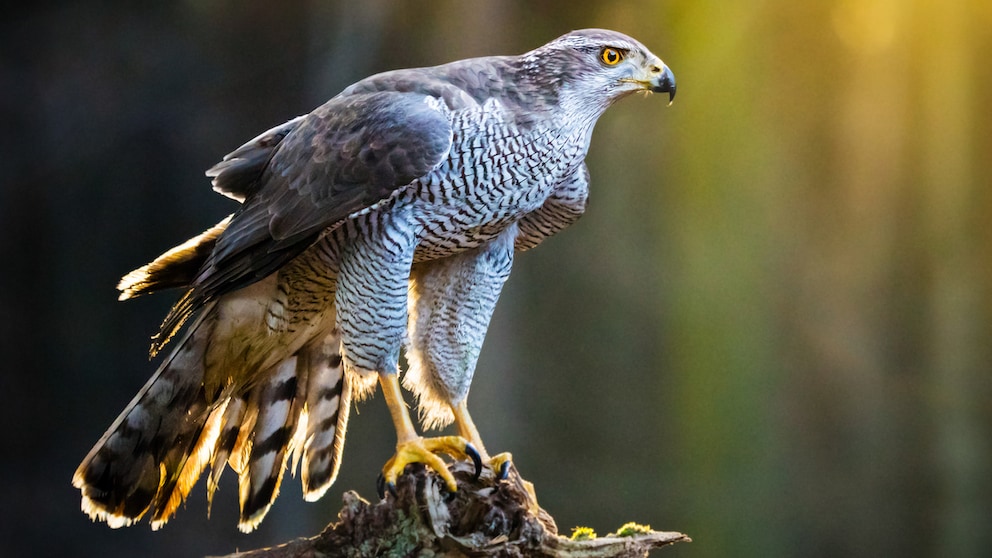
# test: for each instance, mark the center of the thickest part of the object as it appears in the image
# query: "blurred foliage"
(770, 331)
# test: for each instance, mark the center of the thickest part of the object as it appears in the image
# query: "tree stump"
(485, 517)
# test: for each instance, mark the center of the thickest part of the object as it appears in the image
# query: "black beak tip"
(666, 84)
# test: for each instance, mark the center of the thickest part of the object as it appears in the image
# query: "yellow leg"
(499, 463)
(411, 447)
(405, 431)
(467, 429)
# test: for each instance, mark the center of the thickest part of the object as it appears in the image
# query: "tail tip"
(248, 524)
(97, 512)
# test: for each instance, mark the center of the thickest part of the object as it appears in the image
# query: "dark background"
(771, 330)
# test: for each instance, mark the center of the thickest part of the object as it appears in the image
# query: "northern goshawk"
(386, 218)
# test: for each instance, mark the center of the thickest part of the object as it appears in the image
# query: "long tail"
(153, 454)
(301, 409)
(143, 461)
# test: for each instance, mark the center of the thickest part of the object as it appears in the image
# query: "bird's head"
(595, 67)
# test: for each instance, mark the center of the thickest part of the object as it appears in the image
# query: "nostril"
(655, 69)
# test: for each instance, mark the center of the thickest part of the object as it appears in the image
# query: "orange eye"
(610, 56)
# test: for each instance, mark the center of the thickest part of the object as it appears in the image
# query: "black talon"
(504, 470)
(381, 486)
(476, 459)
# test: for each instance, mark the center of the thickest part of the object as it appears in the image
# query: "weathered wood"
(485, 517)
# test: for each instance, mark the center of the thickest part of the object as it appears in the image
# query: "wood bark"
(485, 517)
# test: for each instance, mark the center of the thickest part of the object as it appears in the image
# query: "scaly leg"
(412, 448)
(499, 463)
(466, 428)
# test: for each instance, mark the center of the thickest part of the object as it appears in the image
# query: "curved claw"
(381, 486)
(501, 465)
(476, 459)
(424, 450)
(504, 471)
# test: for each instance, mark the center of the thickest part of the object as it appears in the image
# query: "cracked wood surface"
(485, 517)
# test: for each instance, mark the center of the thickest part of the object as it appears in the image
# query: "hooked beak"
(663, 81)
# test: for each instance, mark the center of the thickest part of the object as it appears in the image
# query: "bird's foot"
(425, 450)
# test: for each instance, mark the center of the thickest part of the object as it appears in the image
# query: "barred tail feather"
(154, 453)
(280, 400)
(328, 406)
(298, 410)
(194, 462)
(143, 461)
(230, 427)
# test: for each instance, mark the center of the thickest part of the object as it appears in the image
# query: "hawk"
(386, 219)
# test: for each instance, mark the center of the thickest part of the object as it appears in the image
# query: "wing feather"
(349, 154)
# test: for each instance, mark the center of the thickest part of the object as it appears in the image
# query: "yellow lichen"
(631, 530)
(583, 534)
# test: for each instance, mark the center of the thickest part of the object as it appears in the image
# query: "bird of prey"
(386, 219)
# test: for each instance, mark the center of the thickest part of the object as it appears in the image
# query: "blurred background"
(770, 331)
